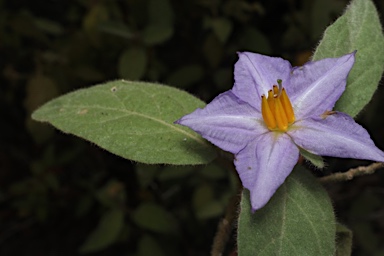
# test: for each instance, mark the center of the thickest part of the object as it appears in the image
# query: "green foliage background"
(60, 195)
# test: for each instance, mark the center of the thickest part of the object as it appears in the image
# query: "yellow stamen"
(277, 109)
(287, 106)
(275, 90)
(280, 116)
(268, 116)
(271, 102)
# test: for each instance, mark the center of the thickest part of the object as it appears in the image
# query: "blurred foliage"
(60, 195)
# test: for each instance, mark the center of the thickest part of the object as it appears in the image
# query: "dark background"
(56, 189)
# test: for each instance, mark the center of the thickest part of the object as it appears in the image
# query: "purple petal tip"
(178, 121)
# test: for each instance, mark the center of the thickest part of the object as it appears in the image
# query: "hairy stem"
(225, 227)
(351, 173)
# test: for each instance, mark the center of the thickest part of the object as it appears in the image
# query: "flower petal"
(337, 135)
(255, 74)
(316, 86)
(227, 122)
(264, 165)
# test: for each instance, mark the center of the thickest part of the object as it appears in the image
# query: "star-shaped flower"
(272, 111)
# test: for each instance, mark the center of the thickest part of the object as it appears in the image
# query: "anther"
(277, 109)
(287, 106)
(280, 116)
(268, 116)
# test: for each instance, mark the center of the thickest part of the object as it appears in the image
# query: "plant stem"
(225, 227)
(351, 173)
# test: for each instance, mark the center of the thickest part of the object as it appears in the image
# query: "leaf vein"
(131, 113)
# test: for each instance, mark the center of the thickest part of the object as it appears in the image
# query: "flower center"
(277, 109)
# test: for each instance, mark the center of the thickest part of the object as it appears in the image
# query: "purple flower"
(272, 111)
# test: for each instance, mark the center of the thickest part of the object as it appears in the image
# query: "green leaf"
(316, 160)
(105, 233)
(116, 28)
(222, 27)
(160, 11)
(153, 217)
(186, 76)
(49, 26)
(146, 174)
(160, 22)
(133, 120)
(205, 205)
(111, 194)
(133, 63)
(254, 40)
(97, 14)
(157, 33)
(343, 240)
(358, 29)
(213, 50)
(149, 246)
(298, 220)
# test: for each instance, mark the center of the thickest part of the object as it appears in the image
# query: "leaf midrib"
(132, 113)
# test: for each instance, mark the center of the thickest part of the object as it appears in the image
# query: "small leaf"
(212, 210)
(153, 217)
(205, 205)
(343, 240)
(149, 246)
(160, 11)
(49, 26)
(222, 27)
(97, 14)
(202, 195)
(298, 220)
(133, 120)
(213, 171)
(146, 174)
(160, 22)
(105, 233)
(358, 29)
(39, 90)
(157, 33)
(111, 194)
(116, 28)
(254, 40)
(316, 160)
(132, 63)
(213, 50)
(186, 76)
